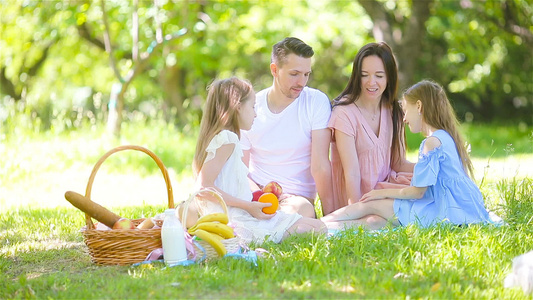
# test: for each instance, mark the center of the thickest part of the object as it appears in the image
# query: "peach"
(124, 223)
(274, 188)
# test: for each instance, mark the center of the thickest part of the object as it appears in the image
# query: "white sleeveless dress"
(233, 179)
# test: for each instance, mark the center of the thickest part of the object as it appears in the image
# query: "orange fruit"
(269, 198)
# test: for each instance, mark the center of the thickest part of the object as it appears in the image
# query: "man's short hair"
(290, 45)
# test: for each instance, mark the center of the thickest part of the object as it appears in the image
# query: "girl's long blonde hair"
(220, 112)
(439, 113)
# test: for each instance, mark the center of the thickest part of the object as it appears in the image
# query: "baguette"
(93, 209)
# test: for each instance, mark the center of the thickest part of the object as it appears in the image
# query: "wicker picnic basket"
(123, 247)
(201, 247)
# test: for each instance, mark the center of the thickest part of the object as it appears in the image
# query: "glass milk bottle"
(173, 238)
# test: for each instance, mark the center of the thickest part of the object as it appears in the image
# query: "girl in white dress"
(218, 164)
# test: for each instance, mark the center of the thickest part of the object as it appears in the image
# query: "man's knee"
(307, 210)
(298, 204)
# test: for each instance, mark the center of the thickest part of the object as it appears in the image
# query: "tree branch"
(135, 31)
(145, 56)
(85, 33)
(510, 23)
(107, 42)
(158, 29)
(35, 68)
(7, 86)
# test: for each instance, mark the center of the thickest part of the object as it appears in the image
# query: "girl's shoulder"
(224, 137)
(444, 137)
(433, 144)
(430, 143)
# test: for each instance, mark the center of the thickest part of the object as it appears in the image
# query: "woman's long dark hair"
(389, 98)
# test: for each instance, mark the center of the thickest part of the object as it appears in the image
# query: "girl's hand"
(374, 195)
(256, 210)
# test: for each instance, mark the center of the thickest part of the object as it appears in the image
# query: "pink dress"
(374, 153)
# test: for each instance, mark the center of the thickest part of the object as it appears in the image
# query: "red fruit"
(257, 194)
(274, 188)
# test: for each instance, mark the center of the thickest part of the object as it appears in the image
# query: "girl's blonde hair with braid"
(439, 113)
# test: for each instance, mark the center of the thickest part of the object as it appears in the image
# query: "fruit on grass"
(269, 198)
(124, 223)
(212, 240)
(274, 188)
(257, 194)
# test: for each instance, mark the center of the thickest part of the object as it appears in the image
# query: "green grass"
(44, 257)
(42, 254)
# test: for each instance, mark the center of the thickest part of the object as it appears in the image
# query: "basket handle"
(209, 190)
(157, 160)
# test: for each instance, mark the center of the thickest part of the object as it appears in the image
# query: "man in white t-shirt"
(289, 139)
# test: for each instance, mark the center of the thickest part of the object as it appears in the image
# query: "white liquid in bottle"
(173, 238)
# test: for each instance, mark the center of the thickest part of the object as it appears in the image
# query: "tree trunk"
(410, 47)
(172, 81)
(405, 36)
(115, 108)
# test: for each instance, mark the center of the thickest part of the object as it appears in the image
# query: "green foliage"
(54, 57)
(517, 196)
(469, 51)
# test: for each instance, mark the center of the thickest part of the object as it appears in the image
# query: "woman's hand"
(410, 192)
(374, 195)
(255, 209)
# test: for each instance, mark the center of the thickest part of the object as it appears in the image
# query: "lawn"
(42, 254)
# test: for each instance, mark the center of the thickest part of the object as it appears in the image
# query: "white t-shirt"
(280, 144)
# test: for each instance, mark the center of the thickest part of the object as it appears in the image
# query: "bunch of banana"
(213, 229)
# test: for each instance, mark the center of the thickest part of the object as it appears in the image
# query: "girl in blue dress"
(441, 189)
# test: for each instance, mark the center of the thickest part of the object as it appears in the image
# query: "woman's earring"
(419, 113)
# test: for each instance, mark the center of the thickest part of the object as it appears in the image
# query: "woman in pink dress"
(368, 145)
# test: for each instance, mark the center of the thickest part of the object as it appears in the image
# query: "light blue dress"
(451, 196)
